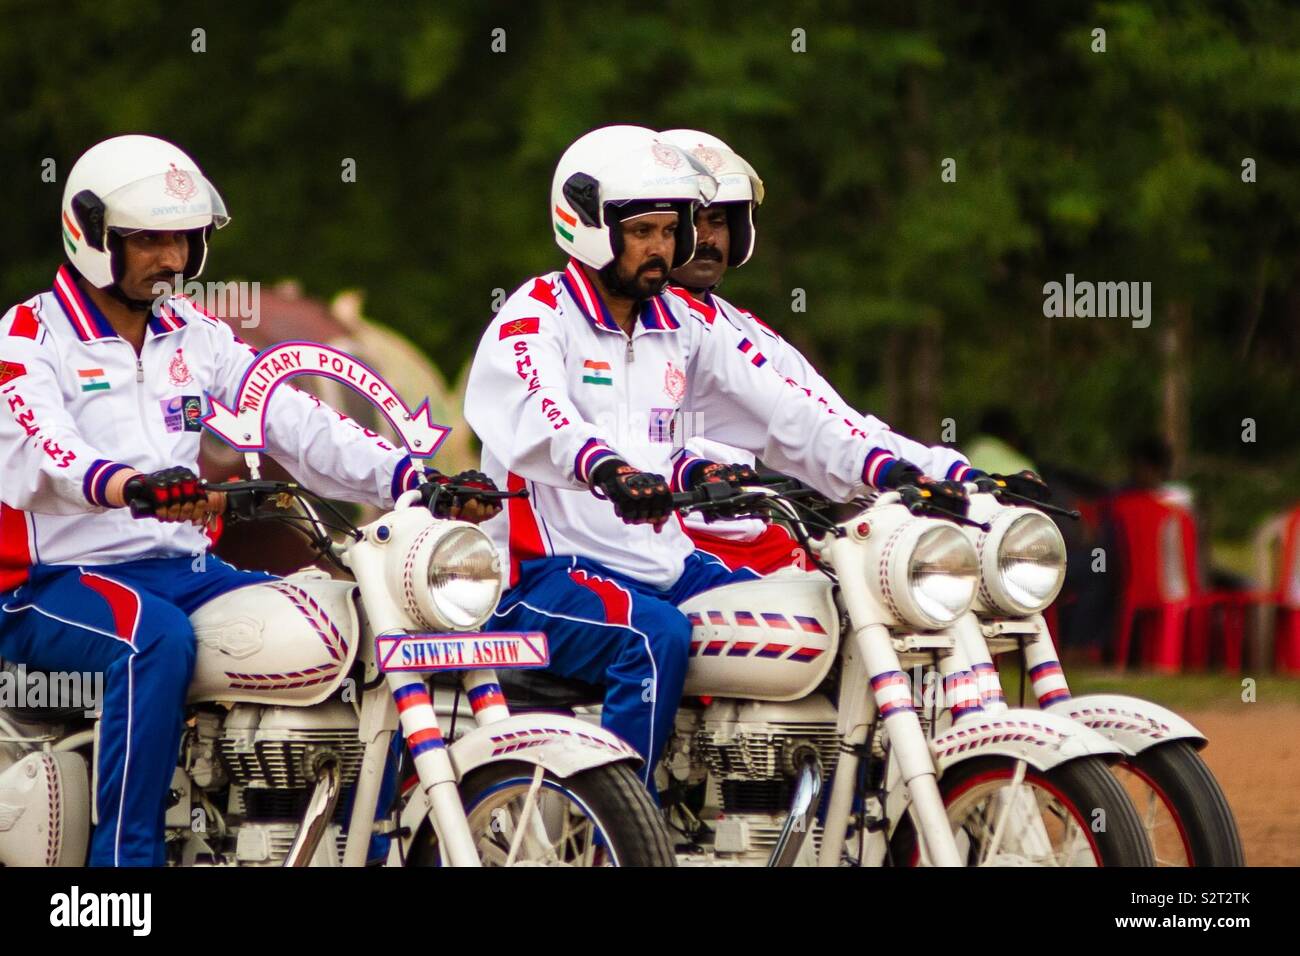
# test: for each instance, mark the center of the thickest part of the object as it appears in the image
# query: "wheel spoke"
(1036, 828)
(536, 823)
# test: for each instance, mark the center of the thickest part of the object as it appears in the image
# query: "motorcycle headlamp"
(447, 575)
(1022, 563)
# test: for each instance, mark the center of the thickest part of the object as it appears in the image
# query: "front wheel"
(1075, 814)
(523, 815)
(1183, 810)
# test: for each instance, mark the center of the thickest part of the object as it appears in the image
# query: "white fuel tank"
(289, 642)
(770, 639)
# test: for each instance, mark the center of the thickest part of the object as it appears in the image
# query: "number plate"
(476, 650)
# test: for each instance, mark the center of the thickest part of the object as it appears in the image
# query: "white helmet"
(616, 166)
(738, 186)
(129, 183)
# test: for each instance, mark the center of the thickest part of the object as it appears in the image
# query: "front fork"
(871, 658)
(408, 703)
(1041, 664)
(972, 651)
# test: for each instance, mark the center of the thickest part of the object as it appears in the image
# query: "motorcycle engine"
(263, 760)
(751, 753)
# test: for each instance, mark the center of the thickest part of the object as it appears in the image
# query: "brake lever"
(1041, 505)
(929, 511)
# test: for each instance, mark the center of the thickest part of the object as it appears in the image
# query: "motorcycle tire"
(1191, 795)
(1084, 788)
(631, 827)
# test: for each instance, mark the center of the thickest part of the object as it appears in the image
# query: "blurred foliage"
(1122, 165)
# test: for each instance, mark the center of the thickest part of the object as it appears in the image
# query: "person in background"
(1000, 447)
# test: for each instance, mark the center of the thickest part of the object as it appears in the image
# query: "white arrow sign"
(245, 429)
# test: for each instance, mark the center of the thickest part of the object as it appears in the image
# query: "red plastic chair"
(1155, 575)
(1287, 646)
(1280, 602)
(1162, 580)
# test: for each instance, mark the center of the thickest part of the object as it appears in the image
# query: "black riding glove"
(1025, 483)
(712, 472)
(734, 475)
(439, 500)
(936, 495)
(901, 472)
(146, 495)
(638, 497)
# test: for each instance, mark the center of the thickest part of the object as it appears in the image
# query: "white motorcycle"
(799, 677)
(1022, 557)
(298, 689)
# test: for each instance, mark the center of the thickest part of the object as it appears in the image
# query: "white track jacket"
(937, 461)
(556, 387)
(77, 406)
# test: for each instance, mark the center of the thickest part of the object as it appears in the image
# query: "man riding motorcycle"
(101, 397)
(726, 237)
(575, 390)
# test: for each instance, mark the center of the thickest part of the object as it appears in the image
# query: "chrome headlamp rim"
(452, 612)
(951, 584)
(998, 591)
(432, 561)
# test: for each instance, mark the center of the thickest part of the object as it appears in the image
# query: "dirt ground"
(1254, 752)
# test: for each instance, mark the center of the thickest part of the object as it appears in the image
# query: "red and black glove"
(146, 495)
(713, 472)
(735, 475)
(437, 497)
(638, 497)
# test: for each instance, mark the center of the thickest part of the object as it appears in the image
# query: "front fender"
(1131, 724)
(1043, 740)
(1040, 738)
(563, 745)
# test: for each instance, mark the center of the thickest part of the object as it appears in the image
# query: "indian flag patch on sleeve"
(596, 373)
(92, 379)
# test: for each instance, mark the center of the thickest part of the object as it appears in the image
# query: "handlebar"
(723, 500)
(243, 498)
(1006, 496)
(715, 495)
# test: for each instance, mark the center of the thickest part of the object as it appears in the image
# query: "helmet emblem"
(674, 383)
(179, 183)
(709, 156)
(665, 155)
(178, 371)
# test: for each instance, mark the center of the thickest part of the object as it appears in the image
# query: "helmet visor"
(175, 200)
(661, 171)
(737, 180)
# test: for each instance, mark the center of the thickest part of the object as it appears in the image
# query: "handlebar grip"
(710, 492)
(141, 509)
(468, 491)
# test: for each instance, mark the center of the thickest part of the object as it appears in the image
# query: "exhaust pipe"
(803, 812)
(320, 810)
